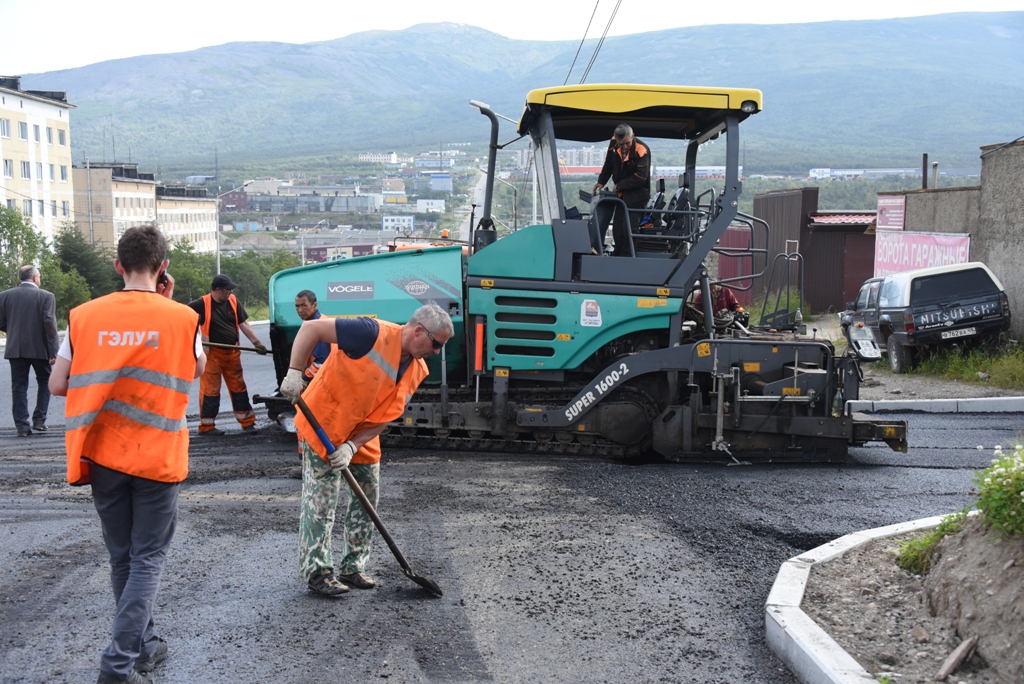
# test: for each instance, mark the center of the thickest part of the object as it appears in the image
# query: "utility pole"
(88, 183)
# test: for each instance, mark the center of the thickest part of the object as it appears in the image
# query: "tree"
(69, 288)
(192, 272)
(94, 263)
(20, 245)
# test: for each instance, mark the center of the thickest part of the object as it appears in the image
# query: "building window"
(23, 130)
(65, 208)
(61, 140)
(26, 207)
(11, 204)
(26, 170)
(117, 202)
(35, 131)
(39, 171)
(52, 173)
(53, 207)
(5, 128)
(42, 207)
(63, 174)
(8, 168)
(49, 135)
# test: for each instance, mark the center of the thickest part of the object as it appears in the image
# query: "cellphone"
(162, 278)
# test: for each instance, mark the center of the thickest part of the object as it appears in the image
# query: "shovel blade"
(425, 582)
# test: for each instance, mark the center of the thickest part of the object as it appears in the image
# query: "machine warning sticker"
(664, 292)
(562, 337)
(751, 367)
(501, 372)
(791, 391)
(646, 303)
(357, 289)
(590, 313)
(703, 349)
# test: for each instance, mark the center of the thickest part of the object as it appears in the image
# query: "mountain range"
(841, 94)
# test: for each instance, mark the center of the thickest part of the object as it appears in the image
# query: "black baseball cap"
(223, 282)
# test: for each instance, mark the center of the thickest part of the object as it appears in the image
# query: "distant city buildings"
(35, 149)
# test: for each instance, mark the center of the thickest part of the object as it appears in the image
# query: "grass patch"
(1005, 366)
(258, 312)
(777, 300)
(916, 554)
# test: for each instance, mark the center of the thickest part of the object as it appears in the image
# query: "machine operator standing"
(628, 165)
(221, 316)
(364, 385)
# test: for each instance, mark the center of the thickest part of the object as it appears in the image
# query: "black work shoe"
(358, 580)
(250, 428)
(40, 428)
(325, 583)
(132, 678)
(213, 432)
(24, 433)
(159, 655)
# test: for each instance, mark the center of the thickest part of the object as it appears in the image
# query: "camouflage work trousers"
(321, 487)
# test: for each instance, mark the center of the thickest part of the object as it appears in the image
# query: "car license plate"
(963, 332)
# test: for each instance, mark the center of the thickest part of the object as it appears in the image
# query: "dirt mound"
(977, 583)
(904, 626)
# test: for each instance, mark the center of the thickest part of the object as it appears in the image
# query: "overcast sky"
(60, 34)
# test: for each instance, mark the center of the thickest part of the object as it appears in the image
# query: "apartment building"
(187, 214)
(35, 152)
(115, 196)
(111, 198)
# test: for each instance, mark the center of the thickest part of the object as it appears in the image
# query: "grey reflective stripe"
(125, 409)
(378, 359)
(151, 377)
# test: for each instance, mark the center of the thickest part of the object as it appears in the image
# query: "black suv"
(929, 307)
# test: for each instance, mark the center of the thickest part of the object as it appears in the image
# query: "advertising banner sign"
(896, 252)
(892, 210)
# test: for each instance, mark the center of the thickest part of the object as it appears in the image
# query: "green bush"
(1001, 491)
(1005, 366)
(915, 555)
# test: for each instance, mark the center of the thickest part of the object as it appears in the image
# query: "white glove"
(343, 456)
(292, 386)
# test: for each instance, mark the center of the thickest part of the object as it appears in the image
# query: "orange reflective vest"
(204, 329)
(351, 395)
(133, 362)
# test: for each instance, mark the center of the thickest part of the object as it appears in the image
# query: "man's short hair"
(433, 319)
(623, 131)
(308, 294)
(142, 249)
(27, 272)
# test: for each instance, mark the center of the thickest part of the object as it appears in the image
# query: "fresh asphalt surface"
(553, 568)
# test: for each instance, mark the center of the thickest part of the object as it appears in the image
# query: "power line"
(582, 40)
(600, 42)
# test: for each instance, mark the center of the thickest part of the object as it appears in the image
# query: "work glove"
(292, 386)
(342, 456)
(261, 348)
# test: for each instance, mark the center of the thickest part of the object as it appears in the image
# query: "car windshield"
(950, 288)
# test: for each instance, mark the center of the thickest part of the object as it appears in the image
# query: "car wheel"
(899, 356)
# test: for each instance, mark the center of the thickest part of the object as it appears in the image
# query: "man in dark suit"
(27, 316)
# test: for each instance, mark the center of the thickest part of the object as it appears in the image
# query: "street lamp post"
(217, 216)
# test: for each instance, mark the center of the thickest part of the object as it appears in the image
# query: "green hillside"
(863, 93)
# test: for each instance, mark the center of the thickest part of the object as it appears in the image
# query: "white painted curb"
(806, 649)
(984, 405)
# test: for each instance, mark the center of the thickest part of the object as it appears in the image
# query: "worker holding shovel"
(364, 385)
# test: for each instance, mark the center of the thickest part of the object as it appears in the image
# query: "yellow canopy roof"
(590, 112)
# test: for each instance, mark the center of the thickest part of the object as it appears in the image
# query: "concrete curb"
(806, 649)
(983, 405)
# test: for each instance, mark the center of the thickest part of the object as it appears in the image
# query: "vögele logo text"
(357, 289)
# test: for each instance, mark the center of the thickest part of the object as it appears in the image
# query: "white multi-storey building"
(35, 149)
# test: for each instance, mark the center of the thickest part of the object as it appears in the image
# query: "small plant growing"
(915, 555)
(1001, 491)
